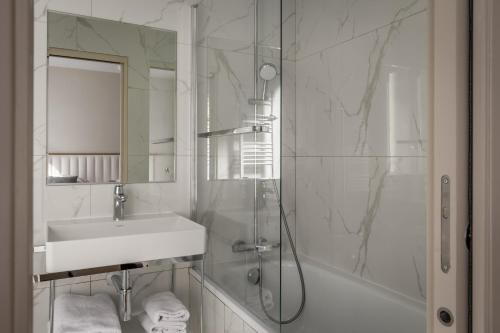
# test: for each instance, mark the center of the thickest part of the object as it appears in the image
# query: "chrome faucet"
(119, 199)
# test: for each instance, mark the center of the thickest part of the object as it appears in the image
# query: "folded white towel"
(162, 327)
(85, 314)
(165, 306)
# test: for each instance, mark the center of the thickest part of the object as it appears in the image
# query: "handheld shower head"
(267, 72)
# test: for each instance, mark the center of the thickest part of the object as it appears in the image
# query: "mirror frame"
(121, 60)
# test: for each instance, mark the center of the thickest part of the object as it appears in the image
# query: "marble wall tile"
(73, 289)
(80, 7)
(147, 198)
(228, 86)
(181, 285)
(194, 325)
(268, 205)
(143, 198)
(101, 199)
(39, 104)
(288, 109)
(177, 196)
(233, 323)
(365, 216)
(138, 168)
(40, 310)
(288, 196)
(67, 202)
(39, 180)
(366, 96)
(213, 313)
(323, 23)
(226, 209)
(269, 25)
(70, 281)
(288, 26)
(163, 14)
(184, 121)
(226, 20)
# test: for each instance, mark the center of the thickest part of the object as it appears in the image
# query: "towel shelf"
(84, 272)
(164, 140)
(237, 131)
(40, 275)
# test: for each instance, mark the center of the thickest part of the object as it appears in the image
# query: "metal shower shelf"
(237, 131)
(163, 140)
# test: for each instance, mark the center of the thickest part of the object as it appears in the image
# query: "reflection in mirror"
(103, 145)
(84, 116)
(162, 85)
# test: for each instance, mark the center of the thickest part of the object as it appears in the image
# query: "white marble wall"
(361, 137)
(62, 202)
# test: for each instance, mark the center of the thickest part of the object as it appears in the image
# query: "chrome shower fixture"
(267, 72)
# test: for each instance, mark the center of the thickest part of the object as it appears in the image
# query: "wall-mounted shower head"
(267, 72)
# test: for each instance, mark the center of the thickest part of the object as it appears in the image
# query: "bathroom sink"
(86, 243)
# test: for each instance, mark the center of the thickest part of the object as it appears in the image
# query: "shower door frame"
(449, 156)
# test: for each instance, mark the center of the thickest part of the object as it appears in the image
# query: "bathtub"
(336, 302)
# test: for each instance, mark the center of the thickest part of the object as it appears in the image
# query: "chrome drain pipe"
(121, 282)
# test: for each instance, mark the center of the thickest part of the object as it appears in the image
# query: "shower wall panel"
(361, 138)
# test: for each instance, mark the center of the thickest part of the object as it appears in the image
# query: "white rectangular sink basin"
(97, 242)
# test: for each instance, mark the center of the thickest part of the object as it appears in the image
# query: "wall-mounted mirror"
(111, 102)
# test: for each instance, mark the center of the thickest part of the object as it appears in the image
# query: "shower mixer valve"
(262, 246)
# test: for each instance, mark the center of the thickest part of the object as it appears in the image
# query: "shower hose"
(297, 262)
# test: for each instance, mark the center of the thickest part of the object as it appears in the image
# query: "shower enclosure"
(239, 147)
(312, 116)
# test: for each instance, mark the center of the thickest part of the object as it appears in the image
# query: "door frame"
(486, 159)
(449, 156)
(16, 164)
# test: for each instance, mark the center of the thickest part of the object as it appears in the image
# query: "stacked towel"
(163, 313)
(161, 327)
(85, 314)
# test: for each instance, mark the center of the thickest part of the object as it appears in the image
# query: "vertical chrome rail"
(202, 288)
(52, 296)
(255, 93)
(194, 112)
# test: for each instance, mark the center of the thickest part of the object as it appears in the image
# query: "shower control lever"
(262, 246)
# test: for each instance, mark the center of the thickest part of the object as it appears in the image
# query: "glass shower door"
(238, 144)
